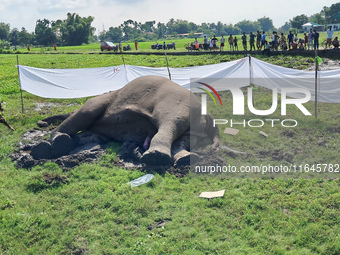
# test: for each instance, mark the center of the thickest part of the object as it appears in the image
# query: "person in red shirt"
(136, 45)
(306, 40)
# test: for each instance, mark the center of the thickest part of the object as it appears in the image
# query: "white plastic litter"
(141, 180)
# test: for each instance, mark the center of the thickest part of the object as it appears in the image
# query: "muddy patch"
(89, 147)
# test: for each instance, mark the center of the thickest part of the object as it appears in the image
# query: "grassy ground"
(91, 210)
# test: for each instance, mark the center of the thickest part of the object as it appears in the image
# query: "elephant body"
(151, 110)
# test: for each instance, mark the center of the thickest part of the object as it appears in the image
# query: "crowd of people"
(262, 42)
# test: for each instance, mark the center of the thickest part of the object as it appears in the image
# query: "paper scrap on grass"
(141, 180)
(263, 133)
(212, 194)
(231, 131)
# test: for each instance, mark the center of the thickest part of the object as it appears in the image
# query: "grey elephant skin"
(161, 116)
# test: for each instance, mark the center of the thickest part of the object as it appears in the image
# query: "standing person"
(316, 40)
(214, 41)
(310, 39)
(283, 42)
(205, 43)
(231, 42)
(210, 43)
(252, 40)
(120, 47)
(55, 47)
(235, 43)
(244, 41)
(222, 43)
(258, 40)
(136, 45)
(290, 39)
(263, 38)
(329, 37)
(273, 41)
(306, 40)
(28, 47)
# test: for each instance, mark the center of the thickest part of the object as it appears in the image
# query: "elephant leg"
(61, 140)
(159, 152)
(181, 151)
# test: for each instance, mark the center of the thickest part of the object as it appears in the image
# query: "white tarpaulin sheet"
(75, 83)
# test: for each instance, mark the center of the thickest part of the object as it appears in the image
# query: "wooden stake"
(316, 84)
(167, 64)
(22, 100)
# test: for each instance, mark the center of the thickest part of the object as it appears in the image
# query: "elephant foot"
(185, 158)
(156, 157)
(43, 150)
(61, 144)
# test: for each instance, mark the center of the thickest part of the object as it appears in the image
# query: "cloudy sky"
(107, 13)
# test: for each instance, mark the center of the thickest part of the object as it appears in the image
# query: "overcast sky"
(107, 13)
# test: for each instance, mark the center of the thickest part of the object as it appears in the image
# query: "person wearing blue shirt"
(263, 38)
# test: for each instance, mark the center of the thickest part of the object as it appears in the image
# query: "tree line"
(76, 30)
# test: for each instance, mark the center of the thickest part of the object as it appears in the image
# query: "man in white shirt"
(329, 37)
(310, 39)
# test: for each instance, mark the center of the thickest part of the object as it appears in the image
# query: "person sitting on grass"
(301, 44)
(266, 50)
(294, 45)
(336, 43)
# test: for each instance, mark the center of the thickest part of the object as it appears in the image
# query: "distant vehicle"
(128, 47)
(108, 46)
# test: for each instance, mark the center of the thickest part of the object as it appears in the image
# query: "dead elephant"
(151, 111)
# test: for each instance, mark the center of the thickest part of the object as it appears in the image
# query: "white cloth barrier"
(76, 83)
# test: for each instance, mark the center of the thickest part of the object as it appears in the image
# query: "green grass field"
(91, 209)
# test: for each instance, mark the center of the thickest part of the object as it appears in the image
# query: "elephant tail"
(53, 120)
(212, 132)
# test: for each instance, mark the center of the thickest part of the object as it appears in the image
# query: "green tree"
(75, 30)
(130, 30)
(148, 26)
(181, 26)
(286, 26)
(248, 26)
(4, 31)
(24, 37)
(332, 10)
(298, 21)
(114, 34)
(169, 26)
(318, 18)
(43, 32)
(161, 30)
(266, 24)
(13, 36)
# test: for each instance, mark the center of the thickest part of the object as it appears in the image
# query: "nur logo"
(239, 102)
(204, 97)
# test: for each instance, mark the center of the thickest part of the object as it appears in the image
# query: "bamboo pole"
(22, 100)
(167, 64)
(316, 84)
